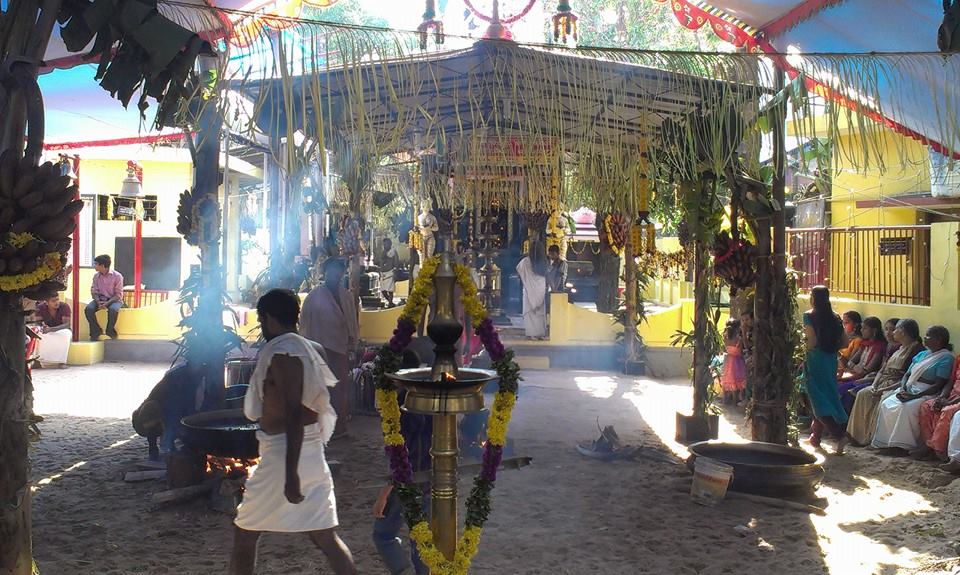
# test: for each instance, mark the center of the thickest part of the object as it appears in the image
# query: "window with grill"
(117, 208)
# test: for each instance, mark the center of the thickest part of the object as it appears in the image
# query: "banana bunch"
(185, 213)
(38, 213)
(733, 261)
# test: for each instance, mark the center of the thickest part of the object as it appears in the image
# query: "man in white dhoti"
(55, 332)
(388, 263)
(330, 318)
(532, 270)
(898, 421)
(953, 446)
(291, 489)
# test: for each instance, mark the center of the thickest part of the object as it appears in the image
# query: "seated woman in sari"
(935, 417)
(872, 355)
(853, 329)
(898, 421)
(953, 447)
(863, 414)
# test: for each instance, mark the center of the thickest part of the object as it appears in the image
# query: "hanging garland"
(615, 233)
(388, 361)
(516, 17)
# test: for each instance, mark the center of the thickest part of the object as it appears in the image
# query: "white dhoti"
(534, 299)
(55, 346)
(898, 423)
(953, 447)
(265, 507)
(387, 281)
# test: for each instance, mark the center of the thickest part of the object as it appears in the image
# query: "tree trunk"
(701, 310)
(771, 327)
(15, 545)
(210, 304)
(25, 29)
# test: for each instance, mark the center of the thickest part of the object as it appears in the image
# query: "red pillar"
(75, 316)
(137, 258)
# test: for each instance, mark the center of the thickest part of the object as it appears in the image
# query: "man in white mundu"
(291, 490)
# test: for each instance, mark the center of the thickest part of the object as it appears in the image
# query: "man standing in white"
(330, 318)
(291, 490)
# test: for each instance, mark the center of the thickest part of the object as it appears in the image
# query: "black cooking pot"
(222, 433)
(234, 395)
(763, 468)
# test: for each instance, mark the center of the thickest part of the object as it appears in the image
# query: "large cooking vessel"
(223, 433)
(764, 468)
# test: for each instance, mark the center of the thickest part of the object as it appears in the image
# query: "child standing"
(734, 377)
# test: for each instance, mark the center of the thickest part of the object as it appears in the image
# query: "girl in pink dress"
(734, 377)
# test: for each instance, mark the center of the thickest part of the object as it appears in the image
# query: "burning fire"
(447, 377)
(229, 467)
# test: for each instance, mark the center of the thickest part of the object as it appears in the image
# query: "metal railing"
(147, 297)
(885, 264)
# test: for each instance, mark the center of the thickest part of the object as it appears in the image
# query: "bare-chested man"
(291, 490)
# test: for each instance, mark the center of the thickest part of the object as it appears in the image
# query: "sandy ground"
(565, 514)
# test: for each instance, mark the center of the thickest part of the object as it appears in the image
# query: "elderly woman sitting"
(898, 422)
(935, 417)
(863, 415)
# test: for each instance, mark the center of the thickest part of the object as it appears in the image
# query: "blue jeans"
(112, 311)
(386, 537)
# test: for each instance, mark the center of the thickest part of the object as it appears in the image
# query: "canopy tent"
(499, 107)
(926, 89)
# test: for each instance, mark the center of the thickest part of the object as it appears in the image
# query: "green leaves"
(139, 49)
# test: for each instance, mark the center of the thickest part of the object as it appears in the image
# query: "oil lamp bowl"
(425, 396)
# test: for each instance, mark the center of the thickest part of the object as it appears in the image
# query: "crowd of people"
(881, 384)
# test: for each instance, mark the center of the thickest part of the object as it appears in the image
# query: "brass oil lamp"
(444, 391)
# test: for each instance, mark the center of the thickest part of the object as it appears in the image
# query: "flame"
(229, 466)
(447, 377)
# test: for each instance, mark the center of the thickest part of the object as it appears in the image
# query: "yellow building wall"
(899, 166)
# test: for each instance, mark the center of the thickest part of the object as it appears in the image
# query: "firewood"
(181, 494)
(135, 476)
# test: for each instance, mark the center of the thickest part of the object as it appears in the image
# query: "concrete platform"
(85, 353)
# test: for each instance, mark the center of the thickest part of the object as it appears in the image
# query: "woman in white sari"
(953, 447)
(532, 270)
(898, 422)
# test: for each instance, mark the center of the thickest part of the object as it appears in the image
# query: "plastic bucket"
(710, 480)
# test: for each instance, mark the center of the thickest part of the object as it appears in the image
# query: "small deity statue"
(427, 223)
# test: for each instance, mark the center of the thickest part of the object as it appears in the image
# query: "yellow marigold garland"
(47, 269)
(500, 414)
(18, 240)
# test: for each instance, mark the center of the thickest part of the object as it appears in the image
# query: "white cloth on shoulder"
(317, 377)
(265, 506)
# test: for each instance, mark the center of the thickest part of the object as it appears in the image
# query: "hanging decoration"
(38, 215)
(664, 265)
(498, 26)
(615, 232)
(734, 260)
(388, 361)
(494, 17)
(564, 22)
(430, 22)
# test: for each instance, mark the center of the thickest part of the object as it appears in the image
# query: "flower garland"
(48, 268)
(518, 16)
(389, 361)
(616, 235)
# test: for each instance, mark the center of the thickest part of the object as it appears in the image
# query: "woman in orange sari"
(935, 417)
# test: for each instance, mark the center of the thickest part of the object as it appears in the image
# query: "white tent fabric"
(912, 107)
